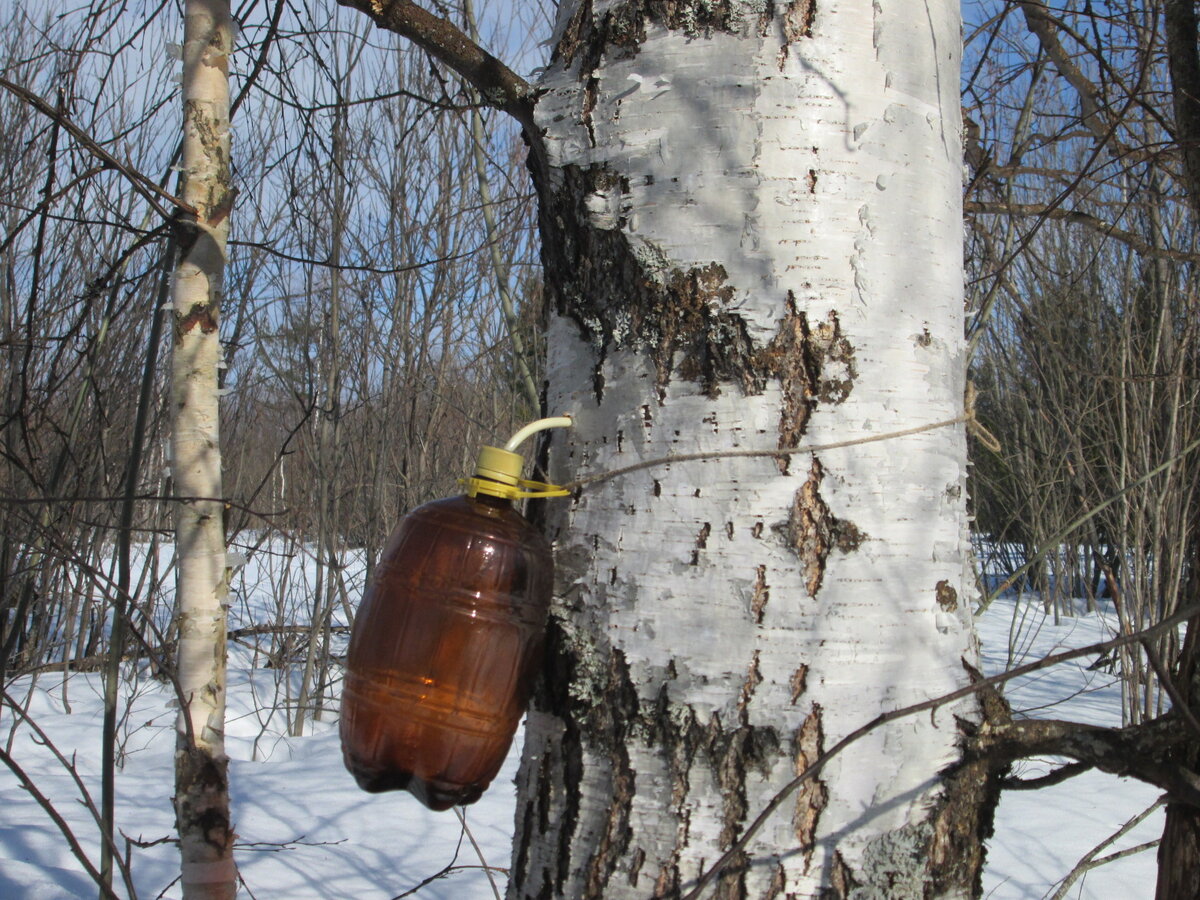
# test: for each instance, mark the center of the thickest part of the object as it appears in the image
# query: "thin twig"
(1088, 861)
(462, 817)
(1179, 702)
(44, 802)
(442, 873)
(89, 805)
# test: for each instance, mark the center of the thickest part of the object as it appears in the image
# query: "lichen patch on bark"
(812, 531)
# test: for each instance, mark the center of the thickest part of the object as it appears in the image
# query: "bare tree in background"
(1084, 197)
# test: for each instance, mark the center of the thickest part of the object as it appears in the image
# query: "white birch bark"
(202, 796)
(753, 241)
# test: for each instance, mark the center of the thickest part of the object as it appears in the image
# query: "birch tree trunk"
(751, 216)
(201, 781)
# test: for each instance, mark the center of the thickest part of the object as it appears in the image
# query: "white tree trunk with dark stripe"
(752, 229)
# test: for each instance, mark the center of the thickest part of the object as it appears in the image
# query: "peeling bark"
(811, 799)
(812, 365)
(762, 593)
(947, 596)
(812, 531)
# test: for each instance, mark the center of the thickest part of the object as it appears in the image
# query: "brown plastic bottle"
(444, 650)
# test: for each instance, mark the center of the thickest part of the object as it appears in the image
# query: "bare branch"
(143, 185)
(1058, 776)
(1183, 60)
(1044, 27)
(1049, 211)
(1089, 860)
(499, 85)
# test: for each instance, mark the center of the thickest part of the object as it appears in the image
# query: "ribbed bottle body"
(444, 650)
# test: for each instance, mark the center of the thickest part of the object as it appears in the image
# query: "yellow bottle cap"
(498, 470)
(499, 465)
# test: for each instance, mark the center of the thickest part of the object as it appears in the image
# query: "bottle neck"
(491, 500)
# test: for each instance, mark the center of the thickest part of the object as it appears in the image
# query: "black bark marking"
(842, 880)
(563, 665)
(799, 682)
(814, 364)
(762, 593)
(715, 343)
(778, 883)
(591, 91)
(812, 531)
(526, 818)
(625, 297)
(667, 884)
(947, 597)
(622, 29)
(798, 18)
(603, 726)
(202, 315)
(635, 867)
(202, 800)
(963, 815)
(808, 743)
(732, 754)
(728, 754)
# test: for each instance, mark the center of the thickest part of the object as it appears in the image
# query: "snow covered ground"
(1041, 835)
(306, 831)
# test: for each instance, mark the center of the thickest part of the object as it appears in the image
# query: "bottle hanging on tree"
(447, 643)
